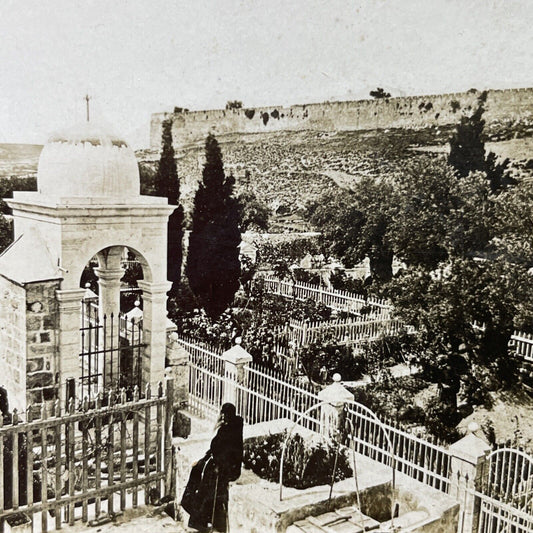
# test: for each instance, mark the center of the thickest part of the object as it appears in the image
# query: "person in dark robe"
(206, 496)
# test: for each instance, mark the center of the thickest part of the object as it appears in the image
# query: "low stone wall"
(255, 506)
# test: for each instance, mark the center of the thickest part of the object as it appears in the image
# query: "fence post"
(178, 368)
(236, 361)
(335, 397)
(168, 459)
(467, 471)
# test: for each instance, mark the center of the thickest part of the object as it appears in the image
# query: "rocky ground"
(289, 169)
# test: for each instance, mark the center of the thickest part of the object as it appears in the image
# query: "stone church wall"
(402, 112)
(42, 330)
(13, 342)
(29, 323)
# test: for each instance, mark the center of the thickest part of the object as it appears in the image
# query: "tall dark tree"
(467, 145)
(167, 184)
(213, 266)
(467, 150)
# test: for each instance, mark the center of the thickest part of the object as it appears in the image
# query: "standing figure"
(206, 495)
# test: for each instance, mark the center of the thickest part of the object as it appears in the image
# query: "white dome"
(87, 161)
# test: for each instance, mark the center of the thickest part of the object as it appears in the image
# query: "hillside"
(289, 169)
(19, 159)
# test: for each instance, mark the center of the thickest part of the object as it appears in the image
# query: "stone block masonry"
(13, 342)
(403, 112)
(28, 342)
(42, 327)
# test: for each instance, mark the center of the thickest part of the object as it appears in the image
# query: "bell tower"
(88, 205)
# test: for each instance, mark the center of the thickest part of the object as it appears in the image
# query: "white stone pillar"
(468, 468)
(69, 337)
(335, 397)
(178, 368)
(236, 361)
(109, 291)
(108, 315)
(154, 330)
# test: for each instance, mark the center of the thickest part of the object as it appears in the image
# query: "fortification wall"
(402, 112)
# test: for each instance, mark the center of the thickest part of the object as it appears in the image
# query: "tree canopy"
(354, 225)
(254, 214)
(6, 233)
(464, 285)
(465, 315)
(467, 149)
(379, 93)
(213, 266)
(167, 184)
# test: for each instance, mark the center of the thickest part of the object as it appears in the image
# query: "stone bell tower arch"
(89, 204)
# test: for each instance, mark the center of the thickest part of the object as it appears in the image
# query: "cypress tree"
(167, 184)
(213, 266)
(467, 150)
(467, 146)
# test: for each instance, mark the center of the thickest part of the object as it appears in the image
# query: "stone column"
(69, 337)
(468, 469)
(335, 396)
(108, 315)
(109, 291)
(154, 330)
(236, 360)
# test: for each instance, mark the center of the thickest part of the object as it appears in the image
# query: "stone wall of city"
(402, 112)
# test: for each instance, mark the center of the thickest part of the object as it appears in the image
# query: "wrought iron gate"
(506, 496)
(111, 352)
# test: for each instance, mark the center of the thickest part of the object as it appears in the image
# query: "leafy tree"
(14, 183)
(513, 223)
(283, 256)
(379, 93)
(254, 214)
(233, 104)
(166, 183)
(355, 225)
(438, 216)
(6, 233)
(213, 266)
(465, 315)
(467, 150)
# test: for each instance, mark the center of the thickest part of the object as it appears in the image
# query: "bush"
(306, 463)
(441, 420)
(325, 357)
(341, 282)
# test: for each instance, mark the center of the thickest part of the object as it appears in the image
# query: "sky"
(138, 57)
